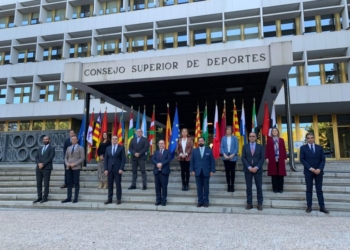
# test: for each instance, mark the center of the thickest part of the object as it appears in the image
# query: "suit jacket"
(141, 148)
(207, 163)
(114, 162)
(256, 160)
(77, 157)
(165, 160)
(310, 160)
(66, 144)
(45, 158)
(233, 148)
(188, 149)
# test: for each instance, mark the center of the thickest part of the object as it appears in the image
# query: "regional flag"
(197, 132)
(205, 126)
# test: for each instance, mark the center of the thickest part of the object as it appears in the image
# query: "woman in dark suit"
(229, 151)
(276, 159)
(184, 152)
(101, 154)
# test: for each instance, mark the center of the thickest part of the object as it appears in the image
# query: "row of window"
(47, 93)
(51, 124)
(332, 132)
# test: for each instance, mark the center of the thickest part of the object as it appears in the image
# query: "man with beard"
(43, 162)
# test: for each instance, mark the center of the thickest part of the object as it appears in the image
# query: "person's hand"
(256, 169)
(317, 171)
(101, 157)
(226, 157)
(106, 172)
(159, 165)
(137, 155)
(312, 170)
(40, 165)
(231, 156)
(120, 171)
(267, 161)
(250, 169)
(211, 174)
(183, 156)
(193, 173)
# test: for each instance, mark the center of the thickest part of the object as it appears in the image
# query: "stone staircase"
(18, 190)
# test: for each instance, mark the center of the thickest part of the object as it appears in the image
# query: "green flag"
(205, 126)
(254, 120)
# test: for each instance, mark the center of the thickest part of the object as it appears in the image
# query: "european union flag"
(81, 136)
(175, 134)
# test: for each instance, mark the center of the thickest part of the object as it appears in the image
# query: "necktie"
(312, 149)
(43, 151)
(113, 150)
(252, 148)
(202, 152)
(72, 149)
(160, 154)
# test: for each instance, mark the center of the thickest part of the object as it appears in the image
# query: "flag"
(103, 130)
(235, 123)
(205, 126)
(223, 121)
(197, 132)
(175, 133)
(81, 136)
(273, 122)
(254, 121)
(137, 122)
(131, 129)
(243, 129)
(144, 123)
(115, 125)
(97, 132)
(89, 136)
(216, 141)
(120, 129)
(152, 133)
(167, 130)
(266, 122)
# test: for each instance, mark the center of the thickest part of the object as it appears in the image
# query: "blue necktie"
(312, 149)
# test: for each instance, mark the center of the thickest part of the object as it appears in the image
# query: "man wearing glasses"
(313, 159)
(253, 160)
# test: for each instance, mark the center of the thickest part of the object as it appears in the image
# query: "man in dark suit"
(138, 148)
(202, 165)
(43, 162)
(161, 171)
(253, 160)
(67, 143)
(313, 159)
(114, 166)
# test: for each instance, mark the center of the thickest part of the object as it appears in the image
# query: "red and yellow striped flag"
(168, 130)
(236, 130)
(197, 132)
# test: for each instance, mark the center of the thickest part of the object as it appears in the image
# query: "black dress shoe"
(108, 202)
(275, 191)
(309, 209)
(144, 187)
(163, 204)
(119, 202)
(199, 205)
(66, 200)
(64, 186)
(37, 200)
(260, 207)
(249, 206)
(281, 191)
(186, 187)
(324, 210)
(132, 187)
(157, 203)
(44, 200)
(183, 188)
(75, 201)
(206, 205)
(228, 188)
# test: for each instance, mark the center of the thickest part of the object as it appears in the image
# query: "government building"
(144, 53)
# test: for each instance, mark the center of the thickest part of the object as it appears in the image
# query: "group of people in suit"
(198, 161)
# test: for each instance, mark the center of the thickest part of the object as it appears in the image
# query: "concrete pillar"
(278, 28)
(323, 74)
(318, 24)
(242, 32)
(297, 26)
(176, 38)
(301, 75)
(208, 36)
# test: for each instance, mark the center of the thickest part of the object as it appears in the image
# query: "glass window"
(12, 126)
(25, 19)
(288, 27)
(46, 54)
(42, 94)
(50, 124)
(52, 93)
(3, 22)
(7, 58)
(35, 18)
(182, 39)
(251, 31)
(109, 47)
(139, 4)
(168, 41)
(2, 94)
(151, 4)
(122, 9)
(216, 35)
(344, 141)
(325, 133)
(24, 125)
(60, 15)
(11, 22)
(182, 1)
(137, 43)
(49, 16)
(270, 29)
(26, 94)
(200, 37)
(305, 126)
(75, 12)
(314, 74)
(56, 53)
(168, 2)
(310, 24)
(343, 120)
(233, 33)
(85, 11)
(284, 133)
(293, 76)
(332, 73)
(21, 55)
(111, 7)
(71, 51)
(31, 56)
(63, 124)
(82, 50)
(37, 125)
(327, 23)
(2, 126)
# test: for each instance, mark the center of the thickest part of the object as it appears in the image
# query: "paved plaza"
(79, 229)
